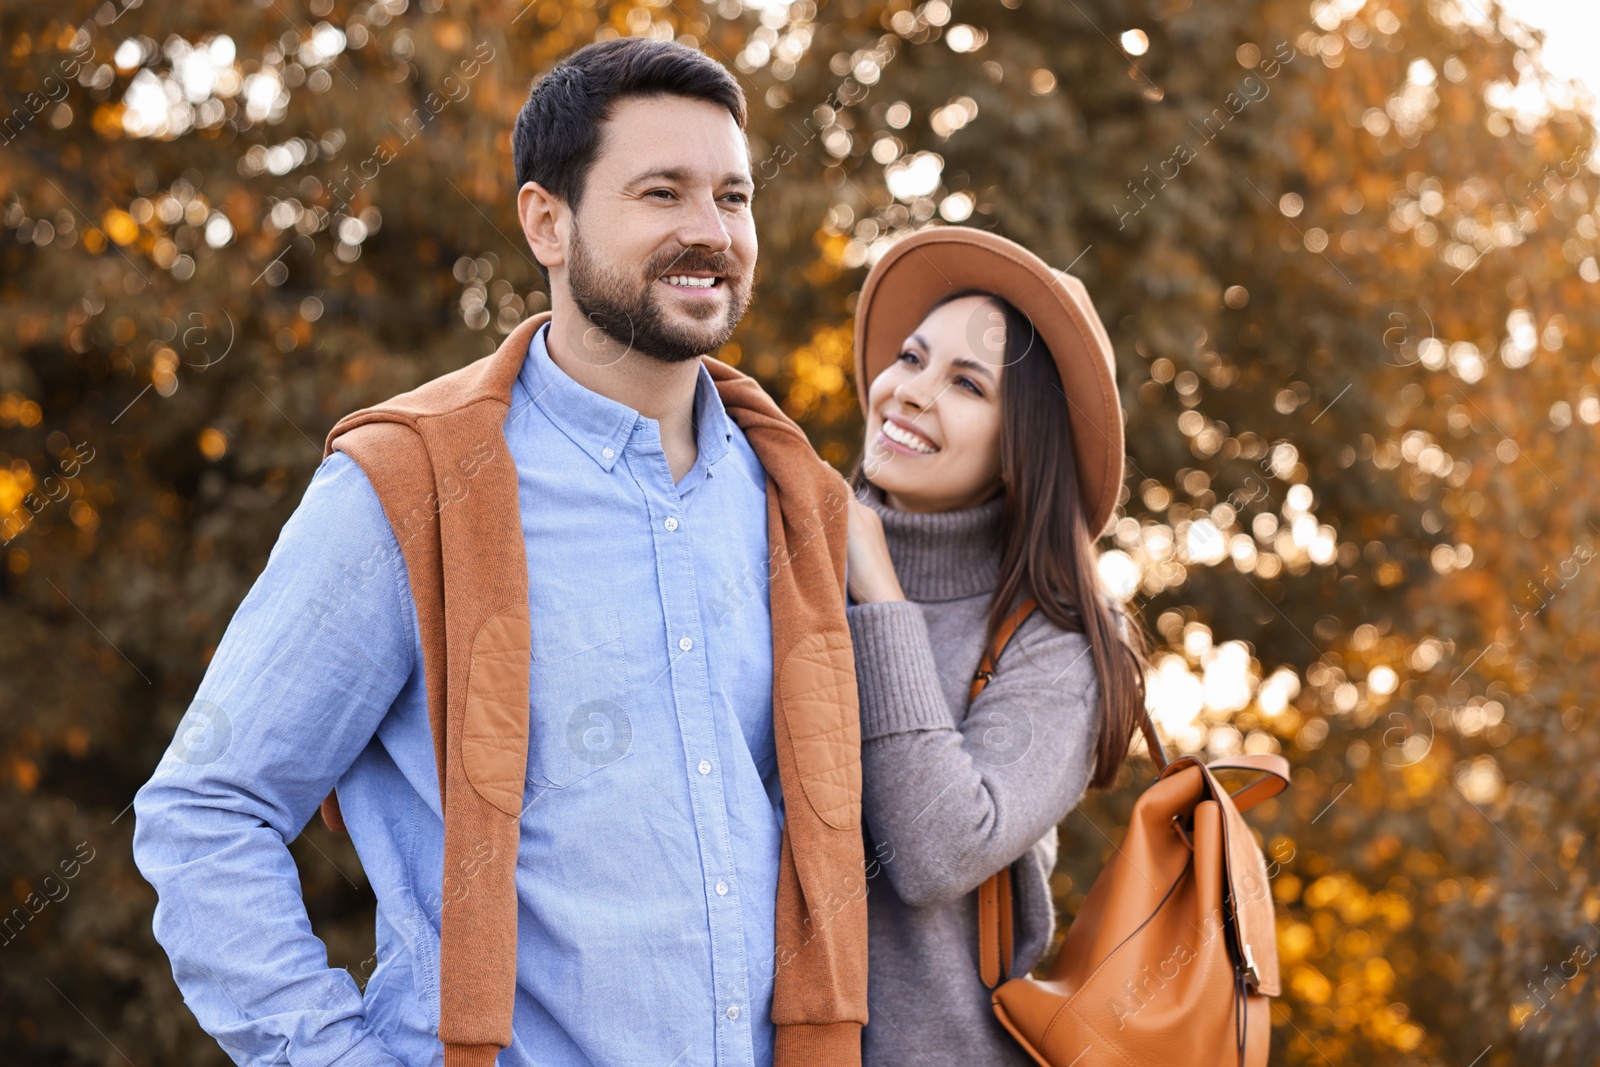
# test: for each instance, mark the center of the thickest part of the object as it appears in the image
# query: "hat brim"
(932, 263)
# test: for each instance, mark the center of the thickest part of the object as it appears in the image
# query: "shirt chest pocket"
(578, 696)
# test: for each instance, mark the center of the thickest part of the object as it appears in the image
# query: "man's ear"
(544, 218)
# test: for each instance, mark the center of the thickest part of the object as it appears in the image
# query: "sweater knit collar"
(942, 555)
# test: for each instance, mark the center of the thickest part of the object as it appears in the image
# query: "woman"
(993, 460)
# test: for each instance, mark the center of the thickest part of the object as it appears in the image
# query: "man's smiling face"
(663, 243)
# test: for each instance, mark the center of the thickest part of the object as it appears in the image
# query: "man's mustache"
(714, 263)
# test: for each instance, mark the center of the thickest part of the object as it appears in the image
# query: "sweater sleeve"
(956, 801)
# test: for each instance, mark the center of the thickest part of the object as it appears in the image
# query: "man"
(566, 629)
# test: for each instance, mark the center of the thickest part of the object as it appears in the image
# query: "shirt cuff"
(896, 675)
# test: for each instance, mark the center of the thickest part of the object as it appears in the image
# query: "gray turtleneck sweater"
(954, 792)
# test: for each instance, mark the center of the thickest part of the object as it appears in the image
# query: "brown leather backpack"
(1174, 952)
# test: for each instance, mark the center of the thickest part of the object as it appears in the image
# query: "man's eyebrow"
(966, 362)
(678, 174)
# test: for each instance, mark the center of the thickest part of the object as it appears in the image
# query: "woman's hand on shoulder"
(869, 570)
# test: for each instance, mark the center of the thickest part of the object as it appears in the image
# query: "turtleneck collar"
(942, 555)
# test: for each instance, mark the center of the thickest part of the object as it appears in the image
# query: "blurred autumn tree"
(1350, 278)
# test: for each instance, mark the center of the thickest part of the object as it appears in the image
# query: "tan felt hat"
(932, 263)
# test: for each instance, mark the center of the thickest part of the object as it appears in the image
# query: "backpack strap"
(991, 656)
(995, 920)
(995, 933)
(1273, 777)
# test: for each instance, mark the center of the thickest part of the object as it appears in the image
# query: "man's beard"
(630, 312)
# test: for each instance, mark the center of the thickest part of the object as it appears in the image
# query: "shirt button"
(705, 766)
(607, 452)
(722, 889)
(733, 1011)
(671, 524)
(685, 644)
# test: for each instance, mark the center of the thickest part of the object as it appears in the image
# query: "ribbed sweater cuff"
(470, 1055)
(820, 1045)
(897, 677)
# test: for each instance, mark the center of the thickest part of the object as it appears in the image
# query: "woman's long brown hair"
(1046, 551)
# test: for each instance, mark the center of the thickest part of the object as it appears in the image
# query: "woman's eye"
(970, 384)
(907, 354)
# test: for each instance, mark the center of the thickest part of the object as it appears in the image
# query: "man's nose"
(703, 226)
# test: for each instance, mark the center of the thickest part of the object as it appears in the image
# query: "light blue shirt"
(648, 862)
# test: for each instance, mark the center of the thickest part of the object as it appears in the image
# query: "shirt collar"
(602, 426)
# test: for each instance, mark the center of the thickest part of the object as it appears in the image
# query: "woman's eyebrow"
(966, 362)
(972, 364)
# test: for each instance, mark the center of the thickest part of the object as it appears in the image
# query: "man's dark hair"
(557, 135)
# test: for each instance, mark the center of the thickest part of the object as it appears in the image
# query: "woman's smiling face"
(933, 415)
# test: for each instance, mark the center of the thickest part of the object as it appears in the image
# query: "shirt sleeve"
(307, 668)
(956, 801)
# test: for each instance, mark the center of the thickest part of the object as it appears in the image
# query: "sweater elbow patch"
(819, 700)
(494, 738)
